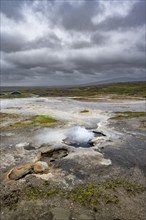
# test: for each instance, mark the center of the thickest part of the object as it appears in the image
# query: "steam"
(51, 136)
(79, 134)
(74, 134)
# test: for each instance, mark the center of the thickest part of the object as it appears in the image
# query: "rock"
(23, 144)
(99, 134)
(97, 140)
(40, 167)
(20, 171)
(21, 147)
(29, 147)
(16, 93)
(49, 155)
(45, 148)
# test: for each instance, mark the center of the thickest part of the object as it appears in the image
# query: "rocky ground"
(45, 175)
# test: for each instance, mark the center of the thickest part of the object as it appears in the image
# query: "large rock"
(40, 167)
(20, 171)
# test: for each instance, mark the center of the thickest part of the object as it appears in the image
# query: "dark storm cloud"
(71, 42)
(78, 18)
(10, 42)
(10, 7)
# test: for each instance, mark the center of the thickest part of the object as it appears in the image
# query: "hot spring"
(76, 136)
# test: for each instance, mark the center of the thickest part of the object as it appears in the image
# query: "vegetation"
(39, 120)
(32, 193)
(43, 120)
(90, 194)
(20, 124)
(8, 95)
(84, 111)
(124, 115)
(135, 89)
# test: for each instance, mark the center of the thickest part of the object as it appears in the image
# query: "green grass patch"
(84, 111)
(90, 194)
(39, 120)
(124, 115)
(43, 120)
(20, 124)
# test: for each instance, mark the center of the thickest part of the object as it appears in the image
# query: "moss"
(39, 120)
(111, 199)
(124, 115)
(32, 193)
(91, 194)
(84, 111)
(20, 124)
(43, 119)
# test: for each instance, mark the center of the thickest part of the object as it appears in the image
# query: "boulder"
(40, 167)
(20, 171)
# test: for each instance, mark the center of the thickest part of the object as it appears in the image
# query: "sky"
(72, 42)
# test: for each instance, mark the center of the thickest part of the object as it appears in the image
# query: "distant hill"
(135, 89)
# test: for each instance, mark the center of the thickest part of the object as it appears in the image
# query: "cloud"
(109, 10)
(64, 42)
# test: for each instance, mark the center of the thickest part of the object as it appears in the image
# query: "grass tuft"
(124, 115)
(84, 111)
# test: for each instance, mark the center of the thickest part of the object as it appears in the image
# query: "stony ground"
(60, 182)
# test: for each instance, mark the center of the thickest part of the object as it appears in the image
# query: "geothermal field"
(72, 158)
